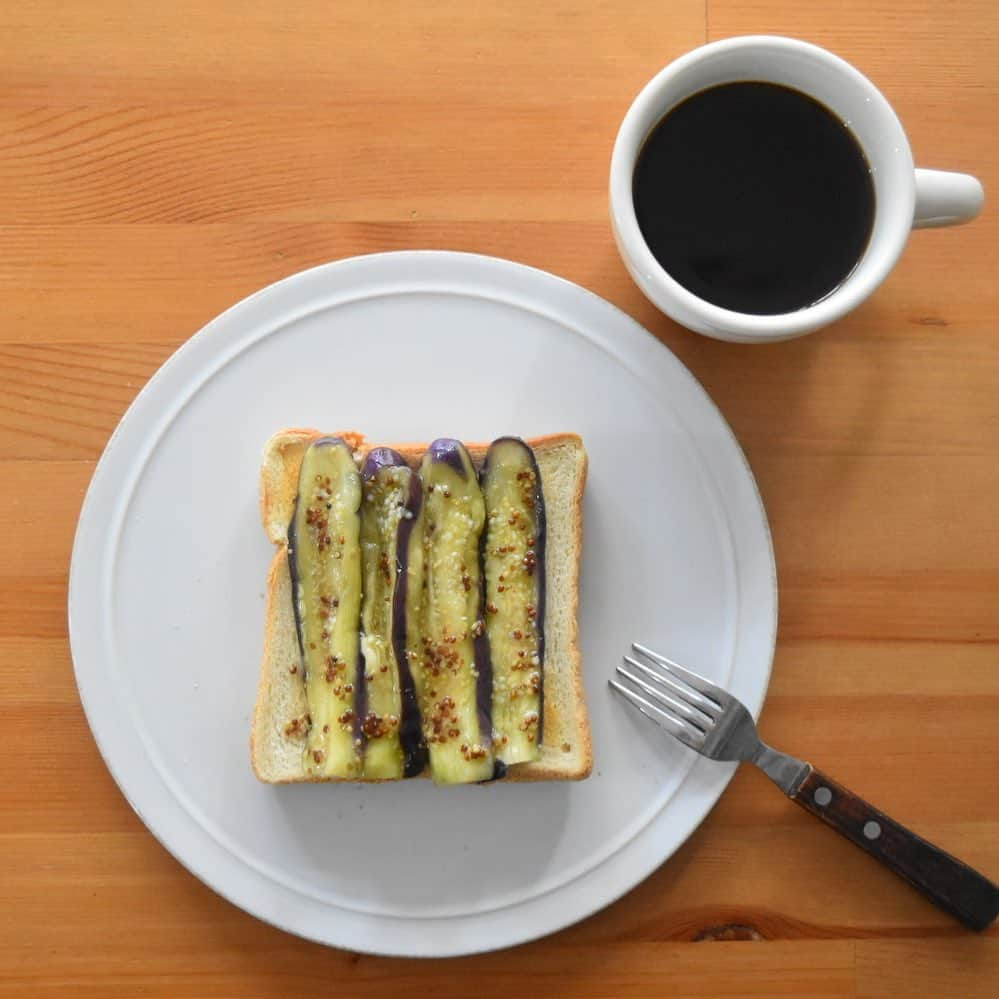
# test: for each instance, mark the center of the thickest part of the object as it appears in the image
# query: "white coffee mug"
(905, 198)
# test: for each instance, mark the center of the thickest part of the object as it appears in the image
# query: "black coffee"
(755, 197)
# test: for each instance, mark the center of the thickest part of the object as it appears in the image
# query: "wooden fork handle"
(944, 880)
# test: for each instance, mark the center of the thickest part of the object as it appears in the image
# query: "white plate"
(168, 575)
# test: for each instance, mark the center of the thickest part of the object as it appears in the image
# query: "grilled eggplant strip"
(445, 582)
(513, 555)
(324, 556)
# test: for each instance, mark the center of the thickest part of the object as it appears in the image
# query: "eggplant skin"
(379, 458)
(448, 451)
(484, 660)
(411, 738)
(410, 732)
(541, 577)
(454, 454)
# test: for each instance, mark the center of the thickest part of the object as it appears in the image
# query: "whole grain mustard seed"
(297, 726)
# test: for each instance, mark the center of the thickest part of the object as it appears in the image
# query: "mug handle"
(944, 198)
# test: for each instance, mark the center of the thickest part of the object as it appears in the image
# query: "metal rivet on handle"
(822, 796)
(872, 829)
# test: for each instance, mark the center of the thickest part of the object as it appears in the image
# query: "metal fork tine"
(689, 714)
(702, 685)
(725, 729)
(676, 727)
(691, 697)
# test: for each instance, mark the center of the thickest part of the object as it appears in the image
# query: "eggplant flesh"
(443, 618)
(324, 556)
(513, 556)
(386, 703)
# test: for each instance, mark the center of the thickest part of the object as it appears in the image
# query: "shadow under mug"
(905, 198)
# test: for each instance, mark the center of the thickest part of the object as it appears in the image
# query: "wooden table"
(159, 162)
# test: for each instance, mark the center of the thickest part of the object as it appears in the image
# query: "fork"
(717, 725)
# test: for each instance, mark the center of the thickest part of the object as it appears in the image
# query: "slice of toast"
(278, 736)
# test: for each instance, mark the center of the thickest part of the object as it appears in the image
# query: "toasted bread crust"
(565, 717)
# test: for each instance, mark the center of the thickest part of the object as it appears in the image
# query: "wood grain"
(947, 882)
(158, 163)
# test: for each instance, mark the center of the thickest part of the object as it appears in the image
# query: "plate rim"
(714, 778)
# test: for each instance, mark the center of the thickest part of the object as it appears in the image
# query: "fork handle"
(944, 880)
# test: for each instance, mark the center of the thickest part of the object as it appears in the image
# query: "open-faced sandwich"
(421, 611)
